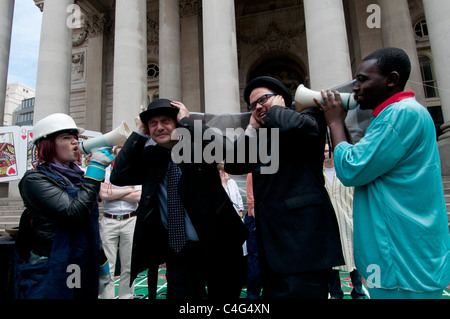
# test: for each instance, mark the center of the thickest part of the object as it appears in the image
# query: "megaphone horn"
(118, 136)
(304, 99)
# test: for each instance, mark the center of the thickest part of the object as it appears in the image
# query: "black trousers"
(304, 285)
(185, 278)
(190, 271)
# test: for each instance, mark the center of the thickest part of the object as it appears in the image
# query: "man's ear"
(393, 79)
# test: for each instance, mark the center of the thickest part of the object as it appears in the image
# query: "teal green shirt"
(401, 235)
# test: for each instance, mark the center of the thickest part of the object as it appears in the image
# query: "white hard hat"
(54, 123)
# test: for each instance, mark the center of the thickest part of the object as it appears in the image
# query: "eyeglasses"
(263, 99)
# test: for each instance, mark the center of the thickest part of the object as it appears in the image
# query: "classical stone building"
(101, 61)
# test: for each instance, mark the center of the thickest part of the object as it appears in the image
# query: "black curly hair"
(392, 59)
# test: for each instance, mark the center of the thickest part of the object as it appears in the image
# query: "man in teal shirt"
(401, 235)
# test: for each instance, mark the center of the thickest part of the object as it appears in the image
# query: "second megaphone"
(304, 99)
(118, 136)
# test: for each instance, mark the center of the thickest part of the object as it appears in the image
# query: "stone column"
(6, 19)
(54, 64)
(130, 61)
(95, 25)
(397, 31)
(439, 30)
(220, 57)
(169, 50)
(328, 53)
(191, 57)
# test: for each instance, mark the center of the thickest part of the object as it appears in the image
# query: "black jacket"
(48, 203)
(296, 224)
(218, 226)
(61, 223)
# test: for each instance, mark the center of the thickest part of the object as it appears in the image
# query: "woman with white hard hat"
(57, 246)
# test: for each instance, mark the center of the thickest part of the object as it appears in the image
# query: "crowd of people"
(374, 208)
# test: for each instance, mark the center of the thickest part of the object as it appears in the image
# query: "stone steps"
(446, 184)
(10, 211)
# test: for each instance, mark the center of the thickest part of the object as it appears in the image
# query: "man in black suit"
(298, 234)
(204, 243)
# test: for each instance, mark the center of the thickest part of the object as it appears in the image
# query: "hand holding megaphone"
(118, 136)
(304, 99)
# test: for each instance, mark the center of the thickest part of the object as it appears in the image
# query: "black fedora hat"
(272, 84)
(159, 107)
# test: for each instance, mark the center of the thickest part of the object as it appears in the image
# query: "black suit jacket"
(218, 226)
(296, 224)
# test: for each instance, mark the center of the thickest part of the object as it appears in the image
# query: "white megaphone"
(118, 136)
(304, 99)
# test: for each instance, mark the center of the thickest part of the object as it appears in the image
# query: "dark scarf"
(72, 175)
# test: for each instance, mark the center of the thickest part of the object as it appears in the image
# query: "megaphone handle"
(346, 106)
(82, 146)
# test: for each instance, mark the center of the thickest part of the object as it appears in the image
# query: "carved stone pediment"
(272, 38)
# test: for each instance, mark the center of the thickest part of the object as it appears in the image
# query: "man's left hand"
(333, 109)
(335, 114)
(278, 100)
(183, 111)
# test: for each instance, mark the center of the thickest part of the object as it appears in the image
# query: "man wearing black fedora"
(185, 218)
(297, 230)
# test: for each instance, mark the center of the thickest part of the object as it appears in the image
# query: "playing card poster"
(12, 153)
(18, 153)
(32, 156)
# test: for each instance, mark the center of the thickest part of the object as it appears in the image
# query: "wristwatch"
(251, 130)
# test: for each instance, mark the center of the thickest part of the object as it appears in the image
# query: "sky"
(24, 53)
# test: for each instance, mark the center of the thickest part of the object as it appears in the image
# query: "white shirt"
(234, 194)
(342, 200)
(118, 206)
